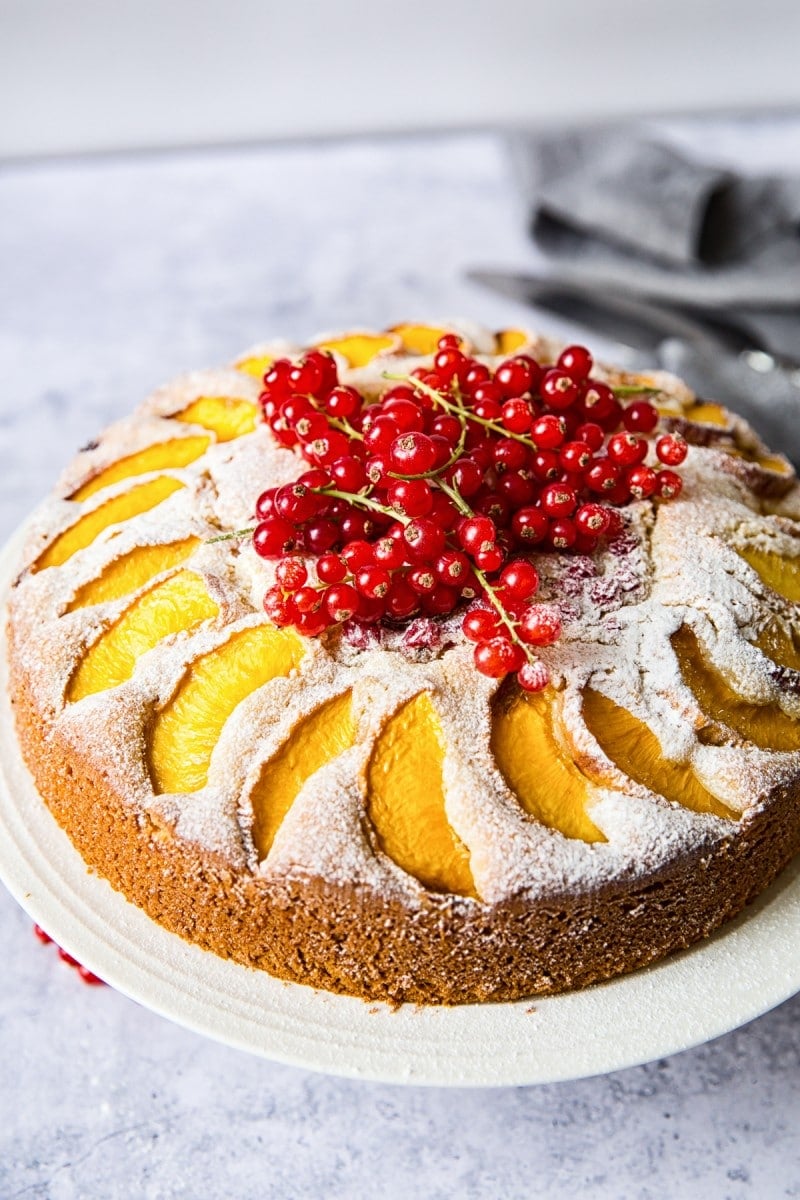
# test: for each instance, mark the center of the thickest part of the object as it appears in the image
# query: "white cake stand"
(745, 969)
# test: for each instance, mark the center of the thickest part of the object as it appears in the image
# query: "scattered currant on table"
(86, 975)
(432, 497)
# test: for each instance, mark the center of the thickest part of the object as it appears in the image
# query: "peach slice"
(184, 733)
(418, 339)
(780, 645)
(780, 574)
(179, 603)
(704, 413)
(765, 725)
(178, 452)
(226, 417)
(130, 504)
(405, 801)
(256, 365)
(511, 340)
(317, 739)
(636, 750)
(360, 348)
(131, 571)
(532, 759)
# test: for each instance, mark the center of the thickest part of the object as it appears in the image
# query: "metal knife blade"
(712, 359)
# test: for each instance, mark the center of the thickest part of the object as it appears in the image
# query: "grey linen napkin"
(613, 207)
(617, 208)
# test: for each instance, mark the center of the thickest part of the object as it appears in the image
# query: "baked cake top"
(675, 683)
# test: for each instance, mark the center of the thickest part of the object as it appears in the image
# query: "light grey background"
(114, 275)
(94, 74)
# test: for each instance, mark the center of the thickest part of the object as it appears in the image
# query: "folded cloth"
(615, 207)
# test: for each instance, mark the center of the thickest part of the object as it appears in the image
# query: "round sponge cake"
(363, 811)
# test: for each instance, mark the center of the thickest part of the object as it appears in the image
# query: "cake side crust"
(353, 940)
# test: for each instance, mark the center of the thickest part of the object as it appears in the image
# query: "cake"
(349, 803)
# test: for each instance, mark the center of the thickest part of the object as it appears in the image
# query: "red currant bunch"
(431, 498)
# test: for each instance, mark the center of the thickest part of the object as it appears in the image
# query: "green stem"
(459, 409)
(497, 603)
(227, 537)
(360, 501)
(344, 426)
(634, 389)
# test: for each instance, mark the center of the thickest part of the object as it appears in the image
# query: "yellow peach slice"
(316, 740)
(184, 733)
(131, 571)
(511, 340)
(256, 365)
(360, 348)
(765, 725)
(179, 603)
(418, 339)
(226, 417)
(780, 645)
(162, 456)
(708, 414)
(780, 574)
(636, 751)
(130, 504)
(537, 768)
(405, 801)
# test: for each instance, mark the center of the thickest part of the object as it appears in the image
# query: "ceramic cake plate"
(749, 966)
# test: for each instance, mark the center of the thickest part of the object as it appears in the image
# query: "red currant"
(549, 431)
(642, 482)
(640, 417)
(533, 677)
(540, 625)
(331, 569)
(424, 538)
(559, 499)
(412, 453)
(576, 361)
(575, 457)
(480, 624)
(520, 579)
(592, 520)
(626, 449)
(411, 497)
(530, 525)
(453, 568)
(516, 415)
(373, 582)
(475, 533)
(671, 449)
(669, 484)
(291, 573)
(497, 657)
(513, 377)
(341, 601)
(559, 390)
(274, 537)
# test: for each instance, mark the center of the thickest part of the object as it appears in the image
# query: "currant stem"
(635, 389)
(227, 537)
(344, 426)
(497, 603)
(358, 500)
(458, 409)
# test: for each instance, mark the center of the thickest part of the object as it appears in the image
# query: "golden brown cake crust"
(325, 906)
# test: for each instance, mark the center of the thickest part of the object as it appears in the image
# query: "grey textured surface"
(115, 275)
